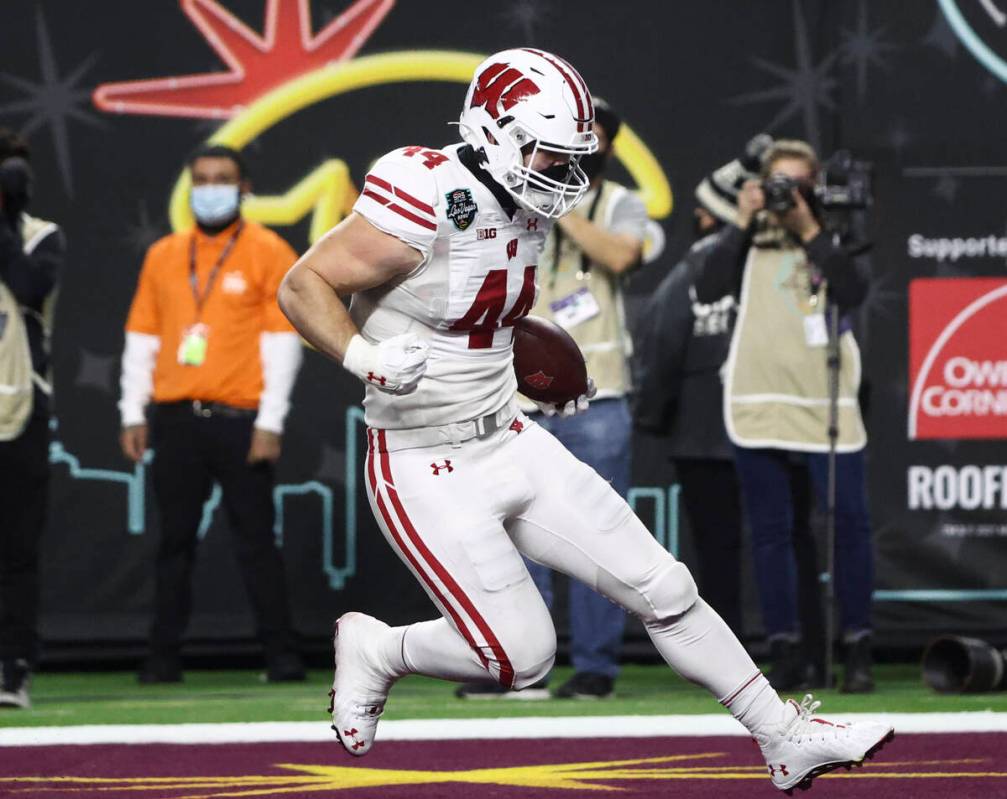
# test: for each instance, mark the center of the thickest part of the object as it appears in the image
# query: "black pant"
(24, 491)
(712, 500)
(190, 453)
(711, 495)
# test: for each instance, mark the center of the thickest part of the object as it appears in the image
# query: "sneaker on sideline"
(15, 680)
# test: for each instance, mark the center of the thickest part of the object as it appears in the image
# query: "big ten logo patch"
(484, 233)
(958, 358)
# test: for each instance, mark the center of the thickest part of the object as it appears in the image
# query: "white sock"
(704, 650)
(756, 705)
(435, 649)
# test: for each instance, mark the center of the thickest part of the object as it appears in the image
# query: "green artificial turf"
(241, 696)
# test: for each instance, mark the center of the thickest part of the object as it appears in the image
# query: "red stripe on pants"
(459, 623)
(506, 669)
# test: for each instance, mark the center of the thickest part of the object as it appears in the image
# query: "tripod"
(832, 361)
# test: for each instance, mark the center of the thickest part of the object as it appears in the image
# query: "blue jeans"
(600, 438)
(765, 486)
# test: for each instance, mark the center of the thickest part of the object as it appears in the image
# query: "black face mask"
(15, 185)
(594, 164)
(557, 172)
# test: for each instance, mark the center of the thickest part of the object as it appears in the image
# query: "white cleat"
(361, 683)
(808, 746)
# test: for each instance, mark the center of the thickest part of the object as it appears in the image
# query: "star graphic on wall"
(941, 37)
(332, 465)
(54, 100)
(882, 302)
(898, 137)
(805, 88)
(946, 188)
(143, 232)
(95, 371)
(526, 16)
(257, 61)
(864, 48)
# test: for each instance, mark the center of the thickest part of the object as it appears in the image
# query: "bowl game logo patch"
(462, 209)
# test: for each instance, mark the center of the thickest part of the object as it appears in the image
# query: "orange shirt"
(240, 306)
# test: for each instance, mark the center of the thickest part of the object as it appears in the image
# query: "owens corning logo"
(957, 363)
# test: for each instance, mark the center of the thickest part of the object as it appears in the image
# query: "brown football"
(547, 362)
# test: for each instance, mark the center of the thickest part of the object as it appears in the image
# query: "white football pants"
(460, 516)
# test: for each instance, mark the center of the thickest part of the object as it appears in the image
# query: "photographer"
(788, 273)
(31, 256)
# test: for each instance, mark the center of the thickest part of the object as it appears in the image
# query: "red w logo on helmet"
(500, 88)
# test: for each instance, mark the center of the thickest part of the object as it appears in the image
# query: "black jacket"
(680, 348)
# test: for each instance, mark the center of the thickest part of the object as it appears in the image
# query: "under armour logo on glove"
(394, 365)
(782, 768)
(439, 467)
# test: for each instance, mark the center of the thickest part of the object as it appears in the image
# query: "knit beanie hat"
(718, 191)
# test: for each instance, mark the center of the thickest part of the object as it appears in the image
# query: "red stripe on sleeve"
(419, 220)
(404, 195)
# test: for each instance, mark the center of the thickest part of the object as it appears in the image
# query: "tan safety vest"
(17, 379)
(603, 339)
(776, 391)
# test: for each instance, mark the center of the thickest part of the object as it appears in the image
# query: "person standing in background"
(31, 259)
(682, 346)
(586, 257)
(790, 275)
(206, 340)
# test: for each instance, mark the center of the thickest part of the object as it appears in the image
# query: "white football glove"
(394, 365)
(573, 407)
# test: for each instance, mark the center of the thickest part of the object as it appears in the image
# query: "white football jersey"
(476, 279)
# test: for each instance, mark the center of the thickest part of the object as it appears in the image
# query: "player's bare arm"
(617, 252)
(351, 257)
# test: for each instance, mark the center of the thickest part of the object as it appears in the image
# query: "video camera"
(844, 184)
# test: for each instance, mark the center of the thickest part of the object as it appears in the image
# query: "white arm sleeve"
(137, 380)
(281, 359)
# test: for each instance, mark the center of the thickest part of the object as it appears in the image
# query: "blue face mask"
(215, 204)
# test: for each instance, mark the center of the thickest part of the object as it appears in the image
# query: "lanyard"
(194, 281)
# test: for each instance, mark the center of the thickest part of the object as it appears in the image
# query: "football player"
(439, 255)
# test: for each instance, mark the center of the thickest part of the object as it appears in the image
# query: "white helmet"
(523, 101)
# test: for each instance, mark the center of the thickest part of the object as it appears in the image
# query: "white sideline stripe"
(458, 729)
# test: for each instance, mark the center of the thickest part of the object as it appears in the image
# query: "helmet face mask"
(522, 104)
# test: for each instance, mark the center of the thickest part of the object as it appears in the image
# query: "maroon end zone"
(920, 766)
